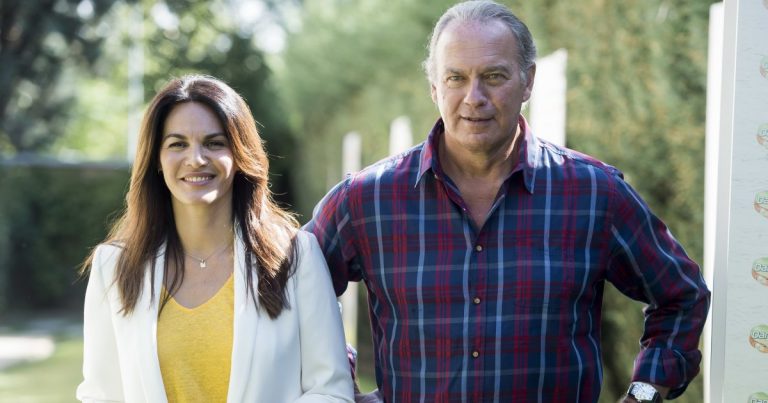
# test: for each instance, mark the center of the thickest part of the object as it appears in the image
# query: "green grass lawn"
(50, 381)
(54, 380)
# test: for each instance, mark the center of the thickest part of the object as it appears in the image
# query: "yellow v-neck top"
(194, 346)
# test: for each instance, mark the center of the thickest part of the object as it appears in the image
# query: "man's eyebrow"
(498, 67)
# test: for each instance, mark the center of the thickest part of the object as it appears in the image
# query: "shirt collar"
(529, 154)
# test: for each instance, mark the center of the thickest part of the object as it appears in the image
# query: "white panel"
(713, 376)
(741, 239)
(400, 135)
(547, 104)
(351, 149)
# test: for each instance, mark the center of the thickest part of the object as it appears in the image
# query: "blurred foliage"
(50, 218)
(77, 113)
(203, 37)
(100, 130)
(354, 66)
(636, 99)
(38, 38)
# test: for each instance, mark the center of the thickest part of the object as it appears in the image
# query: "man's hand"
(373, 397)
(663, 391)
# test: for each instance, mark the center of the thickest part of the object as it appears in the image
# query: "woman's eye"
(217, 144)
(176, 144)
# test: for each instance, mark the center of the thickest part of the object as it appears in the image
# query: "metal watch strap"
(644, 393)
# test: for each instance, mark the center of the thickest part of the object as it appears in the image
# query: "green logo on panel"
(761, 203)
(758, 338)
(758, 397)
(760, 271)
(762, 134)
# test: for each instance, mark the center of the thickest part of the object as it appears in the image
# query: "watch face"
(643, 392)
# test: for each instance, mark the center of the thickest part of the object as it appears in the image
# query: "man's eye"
(494, 77)
(454, 81)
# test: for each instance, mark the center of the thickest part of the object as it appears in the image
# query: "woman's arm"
(325, 375)
(101, 366)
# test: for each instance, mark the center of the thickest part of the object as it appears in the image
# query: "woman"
(205, 290)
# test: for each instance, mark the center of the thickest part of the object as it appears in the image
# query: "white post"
(739, 358)
(400, 135)
(351, 156)
(547, 104)
(712, 374)
(135, 80)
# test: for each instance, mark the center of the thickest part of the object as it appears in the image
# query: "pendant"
(202, 264)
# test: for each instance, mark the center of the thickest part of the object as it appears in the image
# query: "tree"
(203, 37)
(354, 66)
(38, 38)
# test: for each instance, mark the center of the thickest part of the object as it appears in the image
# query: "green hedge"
(50, 218)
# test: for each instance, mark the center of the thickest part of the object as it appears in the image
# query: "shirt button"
(475, 354)
(479, 248)
(476, 300)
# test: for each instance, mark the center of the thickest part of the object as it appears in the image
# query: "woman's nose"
(197, 156)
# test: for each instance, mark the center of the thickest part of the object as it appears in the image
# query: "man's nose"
(476, 95)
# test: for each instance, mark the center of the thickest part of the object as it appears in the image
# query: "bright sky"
(251, 15)
(270, 35)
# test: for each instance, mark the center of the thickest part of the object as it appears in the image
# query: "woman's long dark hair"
(268, 232)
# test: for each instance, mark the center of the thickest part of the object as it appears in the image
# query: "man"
(485, 250)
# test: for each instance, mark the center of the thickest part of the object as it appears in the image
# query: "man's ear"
(529, 84)
(433, 92)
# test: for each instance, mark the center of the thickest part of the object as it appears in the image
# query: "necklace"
(203, 262)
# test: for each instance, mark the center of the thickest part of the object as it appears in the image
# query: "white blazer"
(298, 357)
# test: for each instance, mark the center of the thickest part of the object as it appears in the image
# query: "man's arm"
(649, 265)
(331, 225)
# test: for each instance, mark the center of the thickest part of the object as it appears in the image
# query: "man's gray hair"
(483, 11)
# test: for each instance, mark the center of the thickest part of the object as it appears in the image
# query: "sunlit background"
(75, 77)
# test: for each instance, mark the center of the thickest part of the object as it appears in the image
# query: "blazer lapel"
(246, 318)
(146, 333)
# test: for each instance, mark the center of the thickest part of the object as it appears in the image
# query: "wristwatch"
(644, 393)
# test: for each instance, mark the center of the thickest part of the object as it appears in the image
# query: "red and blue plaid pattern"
(509, 312)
